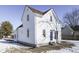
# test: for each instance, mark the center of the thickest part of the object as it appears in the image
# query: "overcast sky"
(13, 13)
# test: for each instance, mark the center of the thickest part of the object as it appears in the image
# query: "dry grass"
(52, 47)
(58, 46)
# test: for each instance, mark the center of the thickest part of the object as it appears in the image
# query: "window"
(51, 35)
(44, 33)
(27, 32)
(27, 17)
(15, 36)
(27, 9)
(56, 34)
(50, 18)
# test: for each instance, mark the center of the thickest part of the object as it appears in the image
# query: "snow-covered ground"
(74, 49)
(4, 45)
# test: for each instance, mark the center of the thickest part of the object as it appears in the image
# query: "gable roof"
(68, 27)
(42, 13)
(37, 11)
(57, 18)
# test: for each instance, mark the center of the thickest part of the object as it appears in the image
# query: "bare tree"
(72, 19)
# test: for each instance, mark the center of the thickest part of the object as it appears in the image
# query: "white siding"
(29, 25)
(20, 34)
(36, 24)
(45, 23)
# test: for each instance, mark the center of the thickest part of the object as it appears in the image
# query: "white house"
(38, 28)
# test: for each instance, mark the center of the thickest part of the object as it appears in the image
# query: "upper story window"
(27, 17)
(50, 18)
(44, 33)
(27, 32)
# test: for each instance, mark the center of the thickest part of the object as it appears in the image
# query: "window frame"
(56, 35)
(51, 34)
(28, 17)
(44, 33)
(28, 33)
(51, 18)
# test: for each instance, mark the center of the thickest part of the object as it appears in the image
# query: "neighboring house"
(67, 30)
(38, 28)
